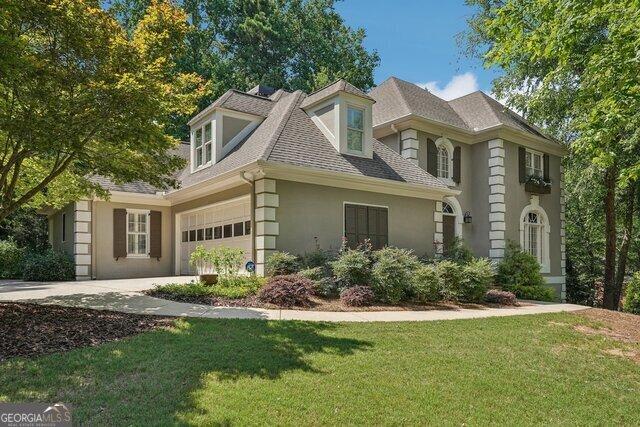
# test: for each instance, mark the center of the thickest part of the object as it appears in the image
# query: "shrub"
(287, 291)
(317, 258)
(352, 268)
(496, 296)
(459, 252)
(632, 295)
(478, 276)
(48, 266)
(536, 293)
(238, 286)
(223, 260)
(326, 287)
(392, 273)
(11, 257)
(357, 296)
(451, 277)
(315, 274)
(282, 264)
(425, 284)
(518, 268)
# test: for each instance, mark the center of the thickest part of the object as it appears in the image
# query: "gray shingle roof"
(397, 98)
(333, 88)
(239, 101)
(129, 187)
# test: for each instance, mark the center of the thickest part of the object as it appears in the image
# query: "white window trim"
(545, 264)
(444, 142)
(534, 153)
(363, 111)
(201, 127)
(139, 211)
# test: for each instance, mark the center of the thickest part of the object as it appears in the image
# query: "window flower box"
(537, 185)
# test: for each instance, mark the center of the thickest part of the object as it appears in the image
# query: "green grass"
(227, 287)
(516, 370)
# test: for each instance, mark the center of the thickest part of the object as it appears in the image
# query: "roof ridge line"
(281, 125)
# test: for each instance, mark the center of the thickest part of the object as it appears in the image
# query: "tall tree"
(572, 66)
(288, 44)
(81, 97)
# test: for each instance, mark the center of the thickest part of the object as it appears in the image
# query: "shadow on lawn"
(154, 374)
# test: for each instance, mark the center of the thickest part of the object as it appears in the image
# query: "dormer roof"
(238, 101)
(331, 90)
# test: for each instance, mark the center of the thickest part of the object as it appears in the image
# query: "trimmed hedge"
(48, 266)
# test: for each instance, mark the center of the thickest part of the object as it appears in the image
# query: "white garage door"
(224, 224)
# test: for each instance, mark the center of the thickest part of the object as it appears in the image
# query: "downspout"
(252, 183)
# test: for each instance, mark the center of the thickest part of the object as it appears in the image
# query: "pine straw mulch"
(29, 330)
(319, 303)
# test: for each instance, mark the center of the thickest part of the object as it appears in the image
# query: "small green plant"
(48, 266)
(458, 252)
(632, 295)
(315, 273)
(478, 276)
(282, 263)
(535, 293)
(222, 260)
(203, 261)
(352, 268)
(425, 284)
(392, 272)
(11, 259)
(519, 272)
(317, 258)
(451, 277)
(227, 287)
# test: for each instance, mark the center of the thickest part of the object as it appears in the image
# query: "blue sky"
(417, 42)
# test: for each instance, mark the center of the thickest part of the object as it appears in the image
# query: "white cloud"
(459, 85)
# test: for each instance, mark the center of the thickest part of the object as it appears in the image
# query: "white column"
(409, 144)
(82, 239)
(563, 254)
(267, 228)
(497, 207)
(438, 236)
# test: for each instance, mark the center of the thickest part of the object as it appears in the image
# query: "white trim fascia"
(499, 131)
(342, 93)
(355, 182)
(135, 198)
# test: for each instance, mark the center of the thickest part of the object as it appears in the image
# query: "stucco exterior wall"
(516, 198)
(306, 211)
(106, 266)
(56, 230)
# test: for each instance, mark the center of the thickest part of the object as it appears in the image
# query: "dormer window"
(355, 129)
(202, 145)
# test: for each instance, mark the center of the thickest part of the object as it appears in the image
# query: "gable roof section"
(396, 98)
(238, 101)
(332, 89)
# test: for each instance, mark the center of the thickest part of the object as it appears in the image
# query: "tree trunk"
(627, 230)
(610, 301)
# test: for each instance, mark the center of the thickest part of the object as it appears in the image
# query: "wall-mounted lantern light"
(467, 217)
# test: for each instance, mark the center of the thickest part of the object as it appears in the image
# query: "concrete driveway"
(125, 295)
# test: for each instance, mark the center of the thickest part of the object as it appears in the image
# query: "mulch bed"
(317, 303)
(29, 330)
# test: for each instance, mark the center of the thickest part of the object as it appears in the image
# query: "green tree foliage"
(572, 66)
(288, 44)
(27, 229)
(79, 96)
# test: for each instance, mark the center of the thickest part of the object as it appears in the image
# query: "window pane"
(207, 154)
(185, 236)
(354, 140)
(217, 232)
(142, 244)
(207, 132)
(238, 229)
(200, 234)
(198, 137)
(142, 223)
(355, 118)
(208, 233)
(247, 227)
(199, 156)
(192, 235)
(228, 228)
(443, 163)
(133, 239)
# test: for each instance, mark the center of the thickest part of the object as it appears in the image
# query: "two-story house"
(273, 170)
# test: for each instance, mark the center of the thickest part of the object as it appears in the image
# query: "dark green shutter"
(456, 164)
(119, 233)
(522, 164)
(545, 161)
(155, 234)
(432, 158)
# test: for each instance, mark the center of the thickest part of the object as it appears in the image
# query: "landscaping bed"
(30, 330)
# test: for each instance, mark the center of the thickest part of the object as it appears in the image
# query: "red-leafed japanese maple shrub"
(357, 296)
(287, 291)
(496, 296)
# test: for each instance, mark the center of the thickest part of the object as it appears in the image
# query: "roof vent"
(262, 90)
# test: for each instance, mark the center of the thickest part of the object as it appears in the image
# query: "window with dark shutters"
(366, 222)
(522, 164)
(432, 158)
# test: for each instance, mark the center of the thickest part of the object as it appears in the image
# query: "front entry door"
(449, 231)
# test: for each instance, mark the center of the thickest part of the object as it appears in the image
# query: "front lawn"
(515, 370)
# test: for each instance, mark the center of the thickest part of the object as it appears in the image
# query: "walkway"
(125, 295)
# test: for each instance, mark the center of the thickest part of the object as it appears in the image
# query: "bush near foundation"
(48, 266)
(496, 296)
(287, 291)
(392, 272)
(11, 259)
(357, 296)
(519, 272)
(282, 264)
(425, 284)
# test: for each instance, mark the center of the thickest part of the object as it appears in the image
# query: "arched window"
(534, 234)
(447, 209)
(443, 162)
